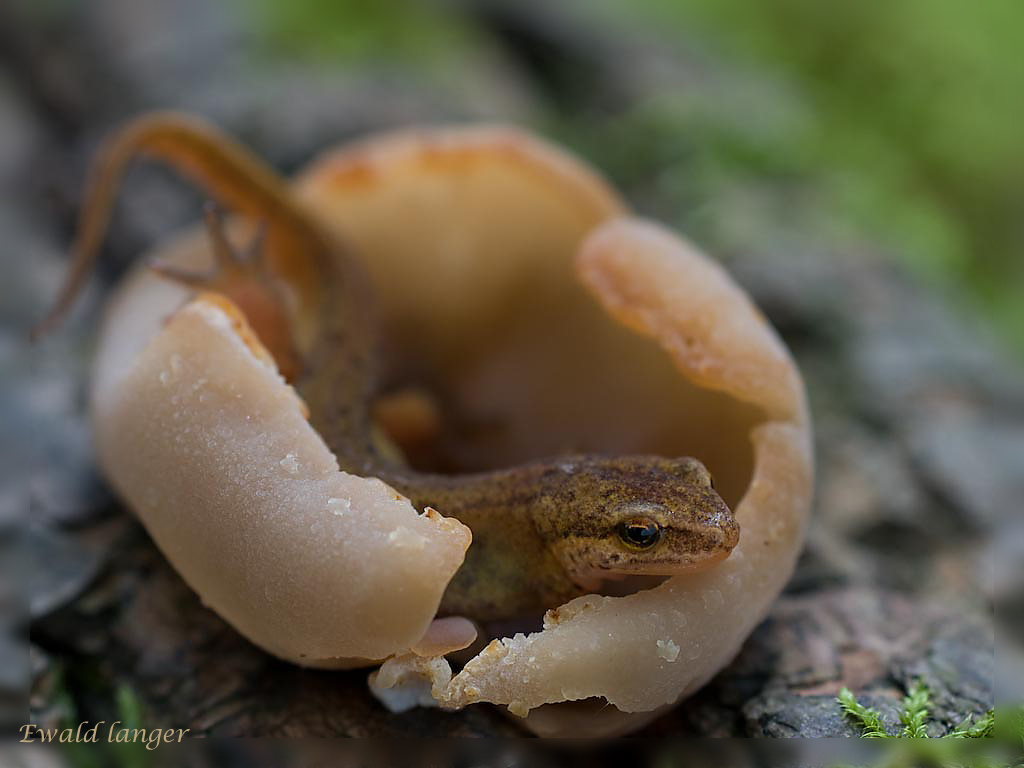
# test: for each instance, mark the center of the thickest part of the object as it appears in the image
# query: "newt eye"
(639, 533)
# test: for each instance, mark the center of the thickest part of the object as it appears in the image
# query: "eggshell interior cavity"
(211, 448)
(470, 235)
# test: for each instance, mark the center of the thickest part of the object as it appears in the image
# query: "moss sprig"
(1005, 731)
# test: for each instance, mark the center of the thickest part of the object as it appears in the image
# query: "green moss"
(392, 32)
(914, 123)
(869, 720)
(1006, 749)
(104, 754)
(913, 716)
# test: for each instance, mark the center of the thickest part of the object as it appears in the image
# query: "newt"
(543, 532)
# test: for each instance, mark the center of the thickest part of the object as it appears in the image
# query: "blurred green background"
(895, 124)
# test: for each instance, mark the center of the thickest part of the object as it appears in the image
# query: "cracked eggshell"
(487, 249)
(210, 447)
(518, 273)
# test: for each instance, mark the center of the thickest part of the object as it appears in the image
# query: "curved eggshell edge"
(647, 650)
(210, 447)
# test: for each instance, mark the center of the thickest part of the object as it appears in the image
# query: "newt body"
(543, 532)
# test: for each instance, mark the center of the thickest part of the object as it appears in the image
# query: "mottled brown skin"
(543, 532)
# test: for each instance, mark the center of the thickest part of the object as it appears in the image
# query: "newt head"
(634, 515)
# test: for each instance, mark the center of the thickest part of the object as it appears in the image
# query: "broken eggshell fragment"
(208, 444)
(513, 274)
